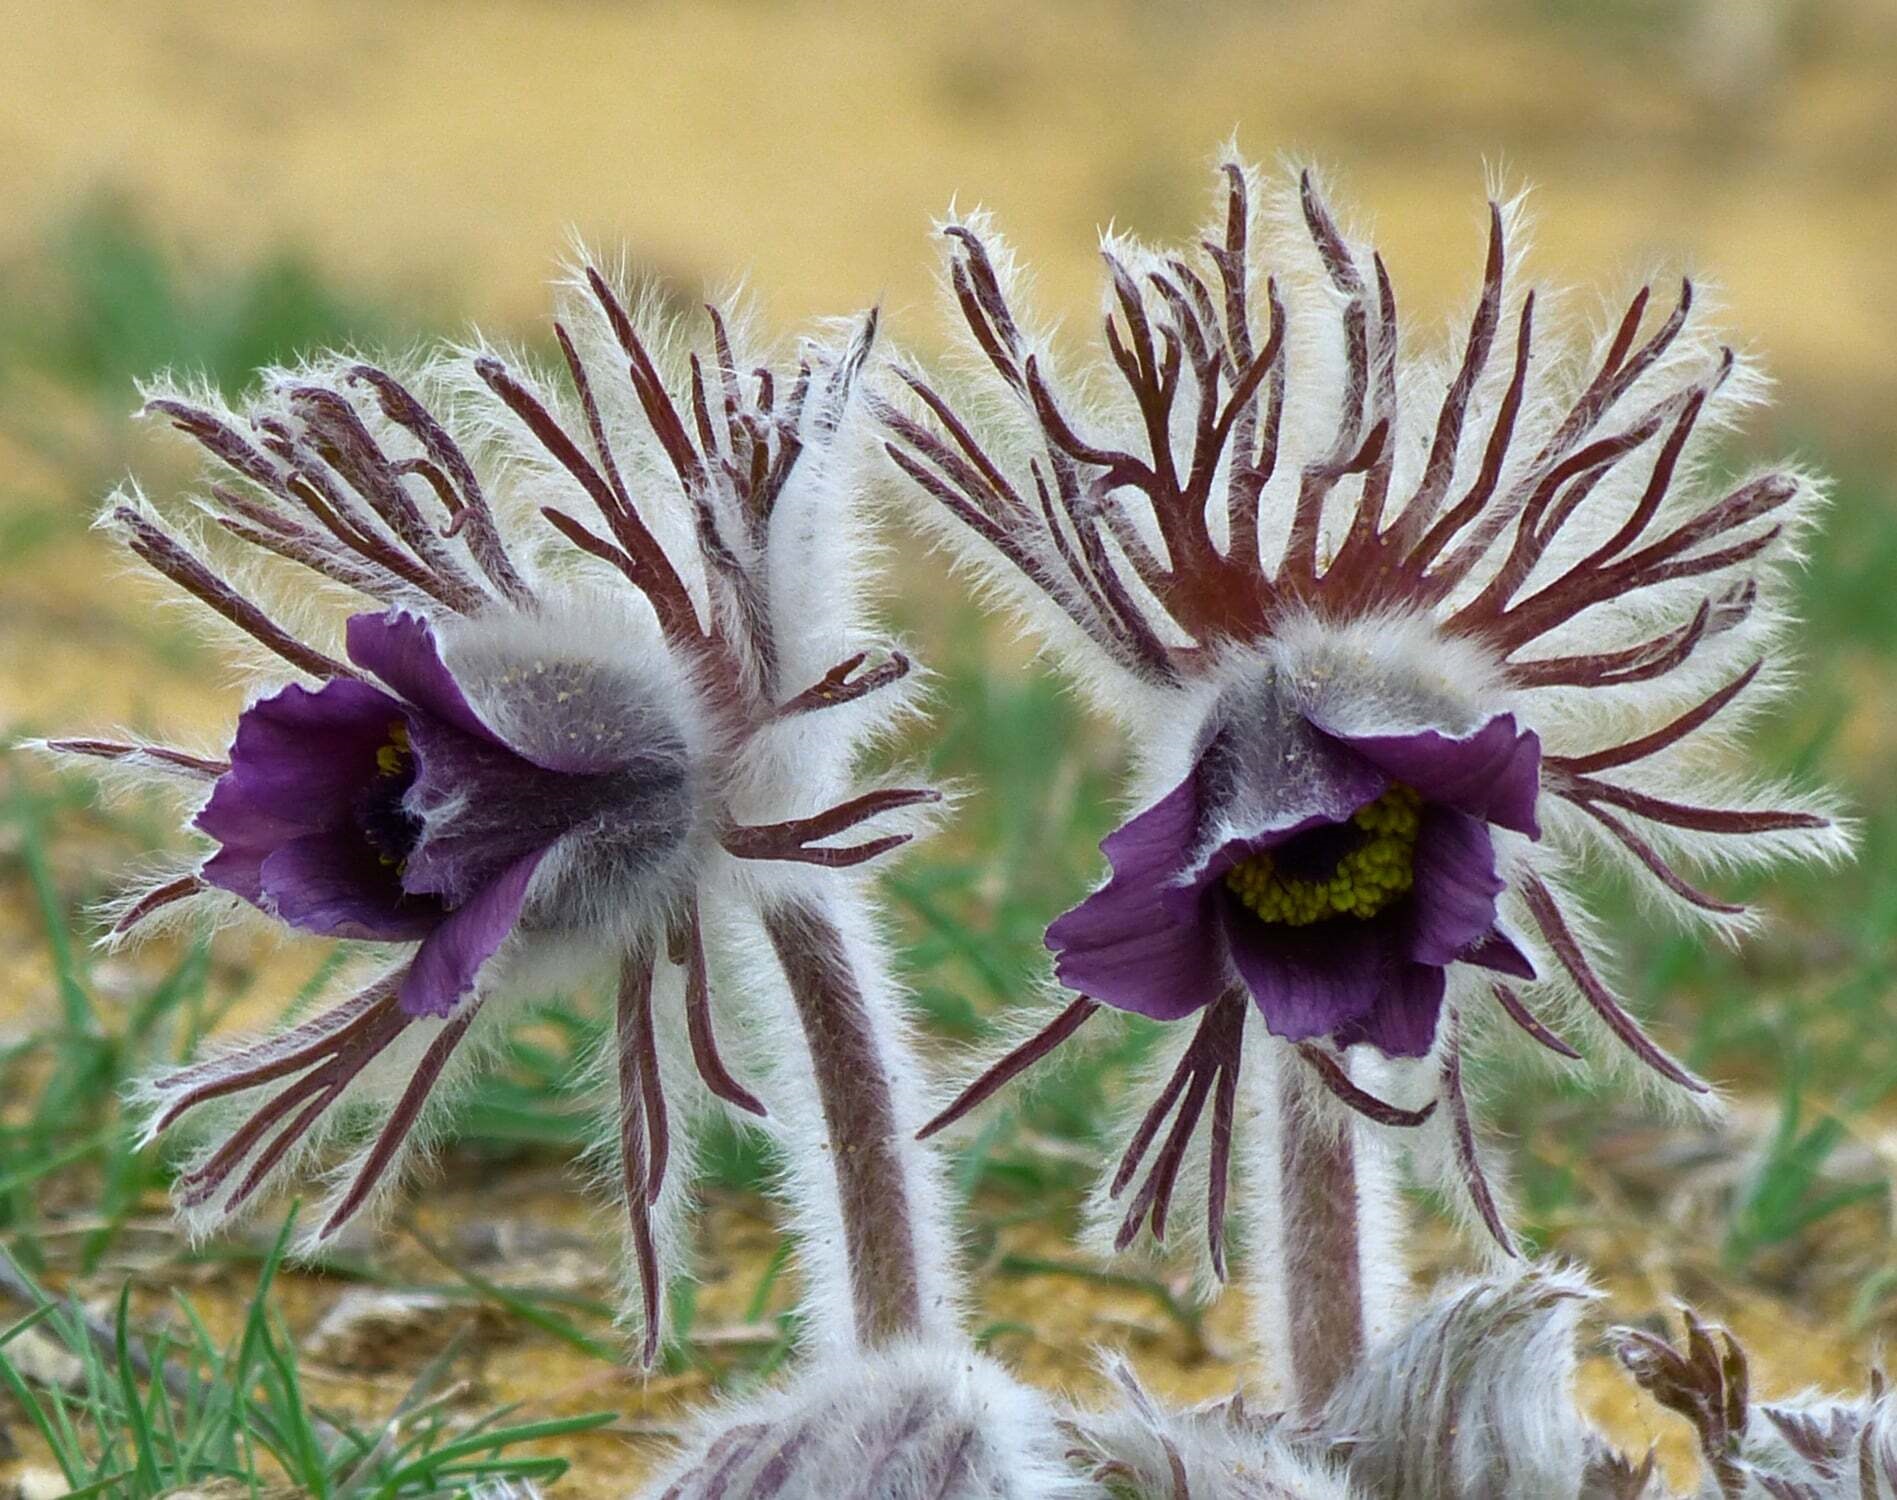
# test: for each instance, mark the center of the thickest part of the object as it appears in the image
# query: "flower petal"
(298, 761)
(400, 649)
(451, 956)
(1500, 952)
(1452, 902)
(1235, 851)
(332, 883)
(482, 807)
(1310, 982)
(1493, 774)
(1127, 945)
(1402, 1021)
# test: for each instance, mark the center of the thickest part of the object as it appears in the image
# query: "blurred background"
(209, 186)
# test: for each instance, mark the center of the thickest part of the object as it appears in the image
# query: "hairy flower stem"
(1327, 1268)
(1323, 1265)
(880, 1198)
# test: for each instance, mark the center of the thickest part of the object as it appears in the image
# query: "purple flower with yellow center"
(1398, 641)
(602, 715)
(1335, 876)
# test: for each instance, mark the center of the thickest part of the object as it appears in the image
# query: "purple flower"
(1263, 477)
(1336, 876)
(589, 695)
(396, 813)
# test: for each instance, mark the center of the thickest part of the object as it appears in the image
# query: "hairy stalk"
(882, 1202)
(1323, 1266)
(1327, 1262)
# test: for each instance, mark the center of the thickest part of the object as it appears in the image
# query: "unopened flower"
(1223, 1450)
(1396, 638)
(909, 1419)
(602, 672)
(1476, 1399)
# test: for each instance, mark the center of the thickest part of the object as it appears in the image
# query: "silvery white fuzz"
(906, 1422)
(1398, 636)
(1812, 1448)
(557, 672)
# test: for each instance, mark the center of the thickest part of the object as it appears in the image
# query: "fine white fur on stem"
(636, 589)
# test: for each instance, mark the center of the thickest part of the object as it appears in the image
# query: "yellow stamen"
(392, 758)
(1366, 880)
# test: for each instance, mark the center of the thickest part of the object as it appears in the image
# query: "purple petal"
(485, 807)
(1500, 952)
(333, 883)
(1127, 945)
(451, 956)
(299, 759)
(400, 649)
(1493, 774)
(1310, 982)
(1452, 903)
(1402, 1022)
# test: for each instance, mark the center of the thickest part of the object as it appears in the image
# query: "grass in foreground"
(135, 1421)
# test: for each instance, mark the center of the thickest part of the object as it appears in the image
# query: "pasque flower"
(1396, 638)
(1364, 868)
(599, 694)
(350, 811)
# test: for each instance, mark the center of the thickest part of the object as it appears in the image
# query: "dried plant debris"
(1813, 1448)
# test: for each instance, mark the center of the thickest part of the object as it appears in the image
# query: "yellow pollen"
(1366, 879)
(392, 758)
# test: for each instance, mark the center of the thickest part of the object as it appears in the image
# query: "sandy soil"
(807, 146)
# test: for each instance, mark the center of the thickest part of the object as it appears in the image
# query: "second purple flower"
(1335, 875)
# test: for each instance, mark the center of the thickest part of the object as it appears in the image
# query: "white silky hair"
(587, 649)
(770, 1038)
(1274, 1089)
(1819, 1447)
(1186, 1241)
(313, 612)
(1376, 672)
(1399, 665)
(691, 1111)
(1566, 718)
(1273, 1081)
(1391, 672)
(1812, 1446)
(351, 1123)
(919, 1420)
(817, 568)
(1221, 1451)
(1473, 1399)
(816, 563)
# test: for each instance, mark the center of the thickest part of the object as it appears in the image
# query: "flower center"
(390, 828)
(1351, 869)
